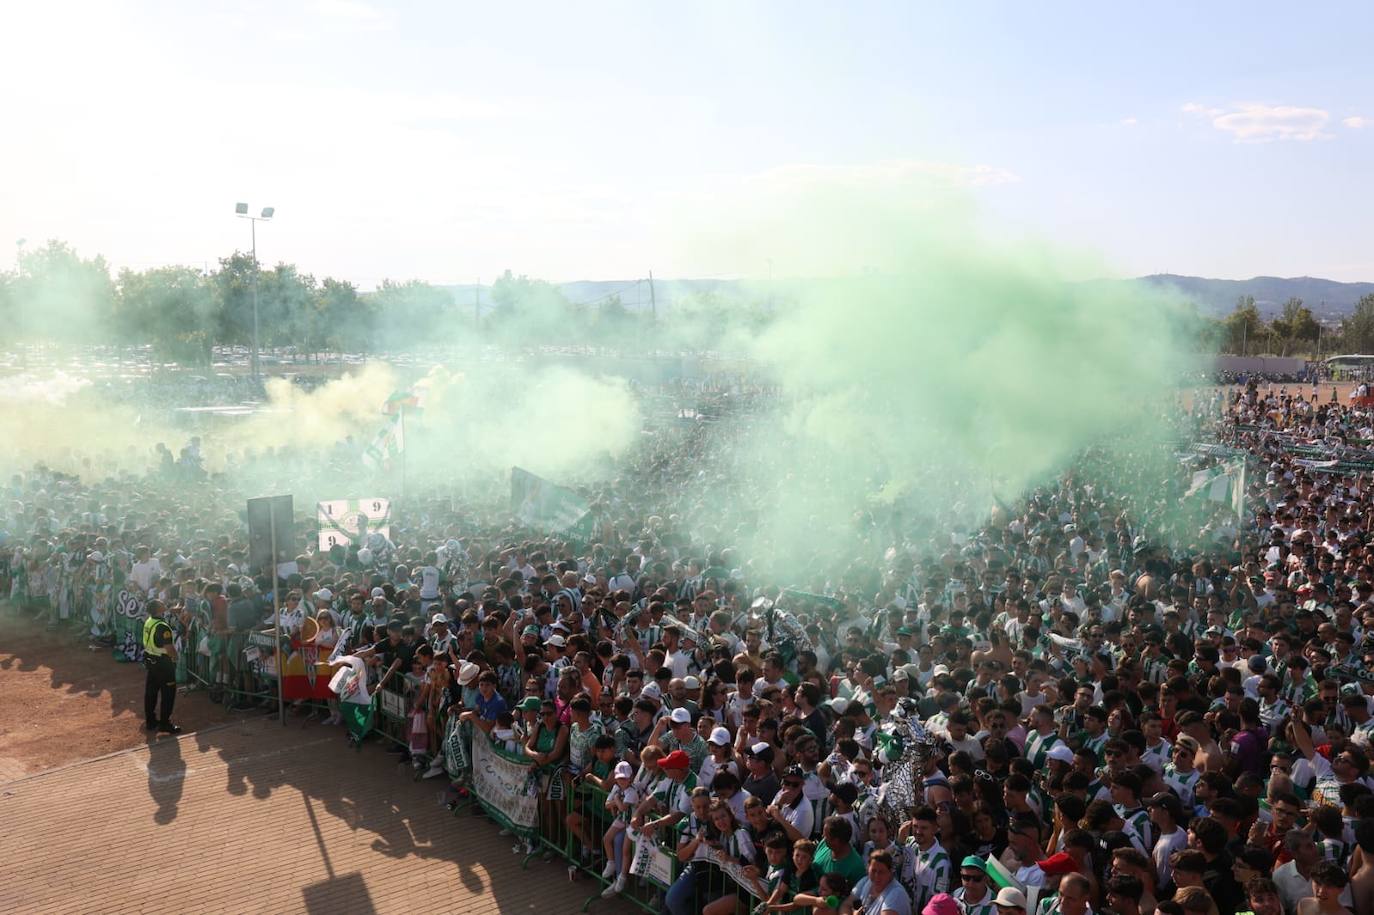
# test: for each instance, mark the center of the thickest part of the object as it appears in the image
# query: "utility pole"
(653, 302)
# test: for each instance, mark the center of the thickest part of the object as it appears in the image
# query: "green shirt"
(851, 866)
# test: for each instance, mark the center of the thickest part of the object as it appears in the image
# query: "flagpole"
(276, 613)
(403, 451)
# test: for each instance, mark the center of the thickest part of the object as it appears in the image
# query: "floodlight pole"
(241, 210)
(254, 224)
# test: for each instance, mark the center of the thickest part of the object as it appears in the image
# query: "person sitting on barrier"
(596, 775)
(620, 803)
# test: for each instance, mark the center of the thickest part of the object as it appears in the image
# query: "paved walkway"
(253, 817)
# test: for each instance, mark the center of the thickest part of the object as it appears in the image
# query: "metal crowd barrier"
(555, 837)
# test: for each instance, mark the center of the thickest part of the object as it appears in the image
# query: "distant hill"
(634, 294)
(1326, 298)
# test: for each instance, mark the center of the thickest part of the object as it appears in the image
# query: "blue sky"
(451, 141)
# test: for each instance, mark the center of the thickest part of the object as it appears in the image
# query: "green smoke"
(929, 370)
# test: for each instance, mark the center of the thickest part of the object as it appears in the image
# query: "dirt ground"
(61, 702)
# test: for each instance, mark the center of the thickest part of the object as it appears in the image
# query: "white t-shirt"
(429, 583)
(145, 573)
(1164, 848)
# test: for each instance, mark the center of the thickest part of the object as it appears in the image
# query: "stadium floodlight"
(241, 210)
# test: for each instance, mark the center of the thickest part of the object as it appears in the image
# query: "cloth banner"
(1223, 483)
(548, 506)
(651, 862)
(499, 784)
(342, 520)
(128, 626)
(304, 677)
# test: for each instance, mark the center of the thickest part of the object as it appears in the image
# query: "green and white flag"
(388, 444)
(1222, 483)
(548, 506)
(343, 520)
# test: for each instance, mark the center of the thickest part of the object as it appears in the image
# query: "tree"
(57, 295)
(1357, 331)
(286, 308)
(1295, 326)
(532, 311)
(1243, 326)
(411, 313)
(233, 284)
(346, 318)
(172, 308)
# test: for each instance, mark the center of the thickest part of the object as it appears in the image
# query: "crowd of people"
(1120, 721)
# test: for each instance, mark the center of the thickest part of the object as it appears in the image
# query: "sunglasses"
(973, 878)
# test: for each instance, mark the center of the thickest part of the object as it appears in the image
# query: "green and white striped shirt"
(928, 873)
(1039, 745)
(984, 906)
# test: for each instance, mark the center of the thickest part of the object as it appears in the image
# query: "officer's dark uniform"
(162, 675)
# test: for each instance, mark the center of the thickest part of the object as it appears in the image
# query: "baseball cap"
(378, 592)
(691, 682)
(1010, 897)
(1168, 801)
(530, 630)
(324, 594)
(677, 759)
(557, 641)
(624, 770)
(438, 618)
(528, 704)
(1060, 752)
(720, 737)
(681, 716)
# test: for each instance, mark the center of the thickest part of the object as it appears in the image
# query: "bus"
(1352, 367)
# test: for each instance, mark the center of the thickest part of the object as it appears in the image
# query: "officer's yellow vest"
(149, 631)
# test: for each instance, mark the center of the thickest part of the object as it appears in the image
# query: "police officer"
(160, 658)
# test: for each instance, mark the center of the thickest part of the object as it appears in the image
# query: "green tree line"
(56, 295)
(1295, 331)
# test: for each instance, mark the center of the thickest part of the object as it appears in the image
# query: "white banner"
(651, 861)
(500, 784)
(341, 520)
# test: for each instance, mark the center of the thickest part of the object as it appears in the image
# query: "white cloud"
(1255, 122)
(1355, 122)
(1129, 122)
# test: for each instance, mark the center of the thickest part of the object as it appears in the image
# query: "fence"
(554, 815)
(572, 826)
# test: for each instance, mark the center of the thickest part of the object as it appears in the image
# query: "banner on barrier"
(501, 786)
(651, 862)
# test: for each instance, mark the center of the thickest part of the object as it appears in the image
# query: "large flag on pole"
(548, 506)
(412, 399)
(388, 445)
(1222, 483)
